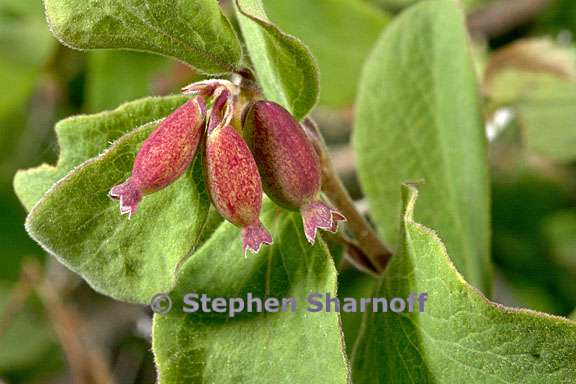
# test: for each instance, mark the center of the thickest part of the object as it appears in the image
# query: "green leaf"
(193, 31)
(355, 284)
(418, 118)
(110, 84)
(299, 347)
(284, 66)
(340, 34)
(129, 260)
(84, 137)
(461, 337)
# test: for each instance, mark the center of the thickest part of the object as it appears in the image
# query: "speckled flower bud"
(289, 165)
(164, 156)
(233, 180)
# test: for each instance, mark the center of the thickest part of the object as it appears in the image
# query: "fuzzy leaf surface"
(83, 137)
(286, 69)
(284, 347)
(460, 337)
(419, 118)
(193, 31)
(81, 226)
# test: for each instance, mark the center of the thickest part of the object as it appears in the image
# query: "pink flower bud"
(164, 156)
(234, 184)
(289, 165)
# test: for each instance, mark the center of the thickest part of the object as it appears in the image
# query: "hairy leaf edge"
(277, 32)
(227, 67)
(55, 187)
(409, 197)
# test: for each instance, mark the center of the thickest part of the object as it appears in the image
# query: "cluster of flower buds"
(266, 149)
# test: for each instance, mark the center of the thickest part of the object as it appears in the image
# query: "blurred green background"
(527, 68)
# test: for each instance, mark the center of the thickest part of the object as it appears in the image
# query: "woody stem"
(367, 240)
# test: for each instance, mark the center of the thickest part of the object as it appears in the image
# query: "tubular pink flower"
(316, 215)
(234, 184)
(164, 156)
(289, 165)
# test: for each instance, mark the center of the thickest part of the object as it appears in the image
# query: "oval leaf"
(193, 31)
(460, 337)
(418, 118)
(284, 66)
(284, 347)
(83, 137)
(128, 260)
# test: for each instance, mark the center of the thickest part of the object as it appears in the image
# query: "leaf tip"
(409, 197)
